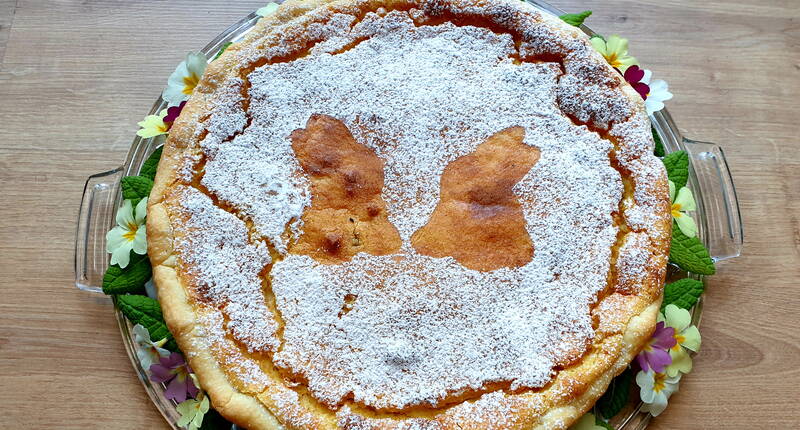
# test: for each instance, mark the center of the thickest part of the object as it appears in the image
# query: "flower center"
(613, 60)
(659, 382)
(676, 210)
(131, 233)
(679, 339)
(189, 82)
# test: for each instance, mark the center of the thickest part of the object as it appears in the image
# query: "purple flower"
(655, 354)
(174, 112)
(174, 372)
(634, 76)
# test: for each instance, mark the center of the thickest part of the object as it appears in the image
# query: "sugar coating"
(225, 266)
(421, 328)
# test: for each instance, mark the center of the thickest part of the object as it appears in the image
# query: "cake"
(412, 214)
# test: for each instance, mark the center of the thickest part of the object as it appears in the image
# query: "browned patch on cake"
(478, 220)
(347, 213)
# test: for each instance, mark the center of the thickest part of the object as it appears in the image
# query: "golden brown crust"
(347, 214)
(624, 315)
(477, 206)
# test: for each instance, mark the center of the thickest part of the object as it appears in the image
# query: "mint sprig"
(135, 188)
(147, 312)
(683, 293)
(677, 164)
(616, 396)
(689, 253)
(659, 149)
(576, 19)
(150, 165)
(131, 279)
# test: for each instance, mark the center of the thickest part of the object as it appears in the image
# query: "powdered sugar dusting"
(406, 338)
(420, 329)
(225, 267)
(211, 333)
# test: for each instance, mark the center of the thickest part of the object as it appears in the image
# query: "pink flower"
(634, 76)
(655, 354)
(174, 111)
(174, 372)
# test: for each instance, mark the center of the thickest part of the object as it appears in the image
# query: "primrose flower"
(129, 234)
(148, 351)
(682, 202)
(193, 410)
(686, 335)
(634, 76)
(173, 112)
(269, 9)
(153, 125)
(615, 51)
(654, 356)
(655, 390)
(659, 93)
(174, 372)
(184, 79)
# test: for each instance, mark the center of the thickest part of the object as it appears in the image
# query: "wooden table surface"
(76, 76)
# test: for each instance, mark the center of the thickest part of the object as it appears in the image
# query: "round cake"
(411, 214)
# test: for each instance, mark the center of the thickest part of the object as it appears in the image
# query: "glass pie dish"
(717, 216)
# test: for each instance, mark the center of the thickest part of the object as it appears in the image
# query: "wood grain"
(76, 76)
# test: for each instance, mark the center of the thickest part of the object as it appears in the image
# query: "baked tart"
(409, 214)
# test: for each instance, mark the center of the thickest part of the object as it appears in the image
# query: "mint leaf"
(135, 188)
(659, 149)
(616, 396)
(682, 293)
(147, 312)
(689, 253)
(150, 165)
(131, 279)
(221, 50)
(576, 19)
(677, 164)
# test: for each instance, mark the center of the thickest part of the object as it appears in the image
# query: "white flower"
(129, 234)
(681, 203)
(148, 351)
(659, 93)
(184, 79)
(587, 422)
(655, 389)
(269, 9)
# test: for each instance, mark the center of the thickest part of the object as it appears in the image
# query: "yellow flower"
(687, 337)
(153, 125)
(192, 412)
(682, 202)
(615, 51)
(269, 9)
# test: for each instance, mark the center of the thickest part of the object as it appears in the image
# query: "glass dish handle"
(717, 198)
(95, 218)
